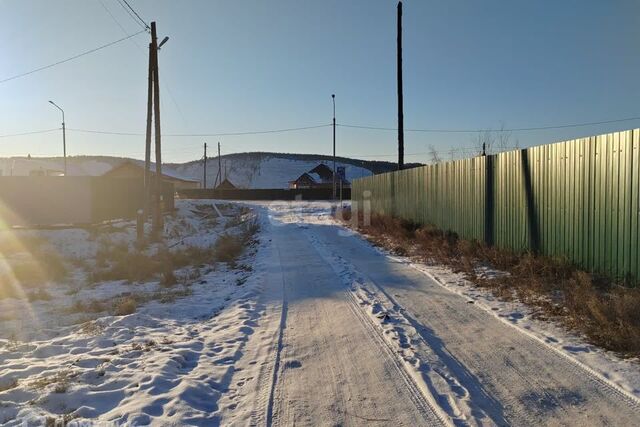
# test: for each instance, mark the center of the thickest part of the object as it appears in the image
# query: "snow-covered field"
(264, 171)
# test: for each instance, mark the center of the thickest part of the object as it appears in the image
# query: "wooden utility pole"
(204, 173)
(219, 164)
(400, 109)
(158, 225)
(147, 147)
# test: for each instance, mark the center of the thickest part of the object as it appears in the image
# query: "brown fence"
(26, 201)
(263, 194)
(577, 199)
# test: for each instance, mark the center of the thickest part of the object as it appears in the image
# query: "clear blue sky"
(254, 65)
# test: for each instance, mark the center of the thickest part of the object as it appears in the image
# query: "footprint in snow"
(291, 364)
(576, 349)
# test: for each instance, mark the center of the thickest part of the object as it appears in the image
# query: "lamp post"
(333, 98)
(64, 137)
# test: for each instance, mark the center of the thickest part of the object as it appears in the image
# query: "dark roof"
(226, 185)
(305, 177)
(165, 174)
(324, 171)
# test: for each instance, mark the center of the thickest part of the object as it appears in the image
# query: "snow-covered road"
(357, 337)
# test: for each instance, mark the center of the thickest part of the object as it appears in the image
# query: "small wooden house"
(130, 169)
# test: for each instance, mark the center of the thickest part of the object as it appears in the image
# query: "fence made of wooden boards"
(55, 200)
(577, 199)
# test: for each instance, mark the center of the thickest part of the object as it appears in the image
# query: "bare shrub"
(61, 381)
(121, 263)
(91, 328)
(124, 306)
(228, 247)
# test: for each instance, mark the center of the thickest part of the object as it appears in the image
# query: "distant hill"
(245, 170)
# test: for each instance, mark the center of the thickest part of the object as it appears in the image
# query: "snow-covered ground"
(312, 326)
(171, 360)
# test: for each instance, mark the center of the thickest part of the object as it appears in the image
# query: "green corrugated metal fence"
(578, 199)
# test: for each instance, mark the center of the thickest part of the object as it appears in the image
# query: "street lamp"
(333, 98)
(64, 137)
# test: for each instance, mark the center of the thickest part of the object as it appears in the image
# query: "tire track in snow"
(395, 341)
(329, 367)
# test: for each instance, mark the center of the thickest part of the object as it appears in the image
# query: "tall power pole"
(157, 219)
(400, 109)
(147, 147)
(204, 173)
(333, 98)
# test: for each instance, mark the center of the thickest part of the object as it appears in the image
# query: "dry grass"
(166, 297)
(605, 312)
(91, 328)
(39, 295)
(228, 248)
(30, 265)
(8, 384)
(119, 262)
(61, 381)
(13, 243)
(91, 306)
(61, 421)
(125, 305)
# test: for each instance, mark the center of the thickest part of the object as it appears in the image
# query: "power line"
(201, 134)
(29, 133)
(491, 130)
(145, 25)
(239, 133)
(70, 59)
(104, 6)
(164, 84)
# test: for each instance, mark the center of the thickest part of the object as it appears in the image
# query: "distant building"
(319, 177)
(134, 170)
(226, 185)
(304, 181)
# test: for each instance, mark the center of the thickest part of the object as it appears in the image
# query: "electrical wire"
(201, 134)
(164, 84)
(69, 59)
(524, 129)
(29, 133)
(144, 24)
